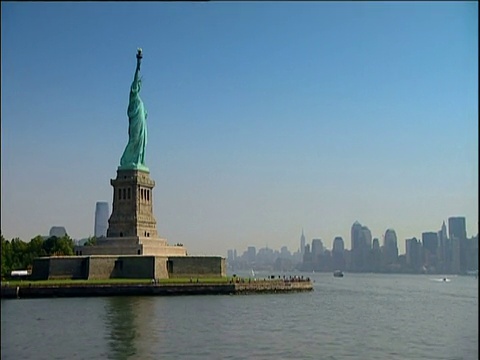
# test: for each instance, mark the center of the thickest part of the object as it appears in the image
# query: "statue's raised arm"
(139, 61)
(136, 77)
(134, 155)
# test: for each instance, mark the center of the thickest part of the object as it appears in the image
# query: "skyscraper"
(412, 247)
(430, 241)
(317, 247)
(457, 233)
(338, 245)
(390, 247)
(361, 240)
(430, 247)
(457, 228)
(355, 235)
(472, 254)
(367, 237)
(444, 258)
(317, 251)
(376, 257)
(302, 244)
(101, 219)
(338, 257)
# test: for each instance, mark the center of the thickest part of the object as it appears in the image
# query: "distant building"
(101, 219)
(302, 244)
(317, 247)
(390, 249)
(284, 253)
(367, 237)
(361, 240)
(472, 257)
(317, 252)
(266, 255)
(338, 245)
(338, 254)
(413, 254)
(251, 254)
(307, 263)
(376, 256)
(356, 246)
(355, 235)
(57, 231)
(444, 259)
(457, 228)
(430, 241)
(430, 247)
(457, 233)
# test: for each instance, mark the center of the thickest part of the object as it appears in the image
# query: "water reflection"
(121, 326)
(131, 328)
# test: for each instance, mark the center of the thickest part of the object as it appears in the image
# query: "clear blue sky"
(264, 117)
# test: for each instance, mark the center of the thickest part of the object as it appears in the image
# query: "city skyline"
(328, 244)
(435, 252)
(263, 118)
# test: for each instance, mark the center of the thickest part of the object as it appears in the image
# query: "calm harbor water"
(360, 316)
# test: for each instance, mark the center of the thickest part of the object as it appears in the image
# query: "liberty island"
(132, 248)
(132, 259)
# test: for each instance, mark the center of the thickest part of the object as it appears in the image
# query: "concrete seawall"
(272, 286)
(84, 290)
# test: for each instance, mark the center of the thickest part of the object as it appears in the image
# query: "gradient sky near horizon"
(264, 117)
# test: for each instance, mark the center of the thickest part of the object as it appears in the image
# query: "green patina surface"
(133, 157)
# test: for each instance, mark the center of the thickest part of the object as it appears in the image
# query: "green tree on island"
(6, 256)
(19, 255)
(58, 246)
(92, 240)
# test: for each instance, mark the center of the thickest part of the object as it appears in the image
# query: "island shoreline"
(32, 290)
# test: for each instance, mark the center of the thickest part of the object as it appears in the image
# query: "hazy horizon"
(263, 118)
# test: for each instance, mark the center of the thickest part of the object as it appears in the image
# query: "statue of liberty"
(133, 157)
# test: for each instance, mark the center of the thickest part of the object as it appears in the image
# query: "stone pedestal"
(132, 212)
(132, 229)
(132, 246)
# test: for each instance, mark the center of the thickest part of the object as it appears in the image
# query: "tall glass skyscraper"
(101, 219)
(457, 233)
(390, 247)
(457, 228)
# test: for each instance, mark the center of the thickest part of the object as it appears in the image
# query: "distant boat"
(338, 273)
